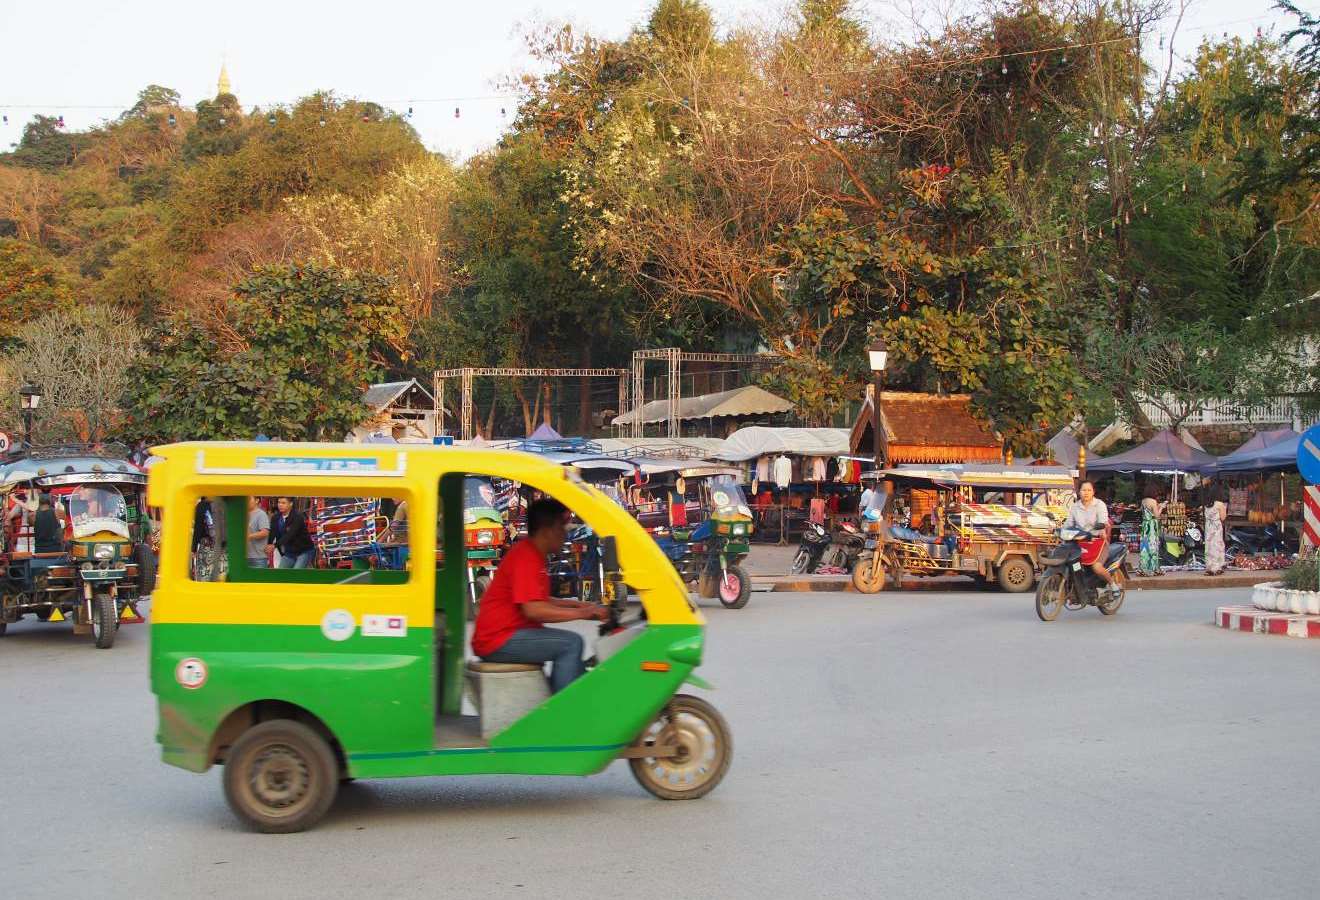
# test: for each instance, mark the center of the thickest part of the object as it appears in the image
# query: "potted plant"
(1298, 592)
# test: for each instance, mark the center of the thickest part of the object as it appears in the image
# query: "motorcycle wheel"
(869, 574)
(1108, 605)
(1050, 597)
(800, 563)
(105, 622)
(735, 588)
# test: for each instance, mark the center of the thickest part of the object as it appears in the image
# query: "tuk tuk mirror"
(609, 554)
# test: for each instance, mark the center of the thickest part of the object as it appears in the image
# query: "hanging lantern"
(1143, 207)
(270, 119)
(456, 112)
(501, 112)
(1202, 171)
(410, 112)
(6, 118)
(1223, 158)
(1102, 232)
(222, 121)
(61, 121)
(1003, 68)
(1064, 59)
(1126, 219)
(785, 92)
(321, 121)
(1184, 186)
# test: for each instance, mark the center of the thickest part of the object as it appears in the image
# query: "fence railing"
(1278, 411)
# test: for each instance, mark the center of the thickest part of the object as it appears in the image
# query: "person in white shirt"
(1090, 514)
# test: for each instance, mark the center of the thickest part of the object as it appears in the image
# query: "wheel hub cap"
(279, 777)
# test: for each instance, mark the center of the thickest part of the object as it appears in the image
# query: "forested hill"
(1028, 206)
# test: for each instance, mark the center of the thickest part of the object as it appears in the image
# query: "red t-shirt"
(520, 578)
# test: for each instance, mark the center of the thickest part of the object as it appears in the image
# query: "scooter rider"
(1089, 514)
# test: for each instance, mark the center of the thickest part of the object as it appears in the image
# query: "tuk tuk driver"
(516, 606)
(1090, 514)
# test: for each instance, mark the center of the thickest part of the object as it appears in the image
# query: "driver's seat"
(504, 692)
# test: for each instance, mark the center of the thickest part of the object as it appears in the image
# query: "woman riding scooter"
(1090, 514)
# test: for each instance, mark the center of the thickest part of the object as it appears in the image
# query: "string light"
(321, 121)
(1126, 219)
(410, 112)
(222, 121)
(61, 121)
(456, 112)
(270, 119)
(1003, 68)
(1143, 207)
(173, 121)
(501, 112)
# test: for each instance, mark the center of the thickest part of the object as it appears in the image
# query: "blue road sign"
(1308, 455)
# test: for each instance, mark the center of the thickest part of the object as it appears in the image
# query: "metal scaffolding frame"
(465, 376)
(674, 359)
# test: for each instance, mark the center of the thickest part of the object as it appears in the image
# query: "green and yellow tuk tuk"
(298, 679)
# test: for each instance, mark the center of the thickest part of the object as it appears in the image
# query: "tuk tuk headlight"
(739, 530)
(103, 551)
(485, 537)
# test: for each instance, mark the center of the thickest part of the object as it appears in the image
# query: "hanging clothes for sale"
(818, 468)
(763, 469)
(783, 472)
(817, 513)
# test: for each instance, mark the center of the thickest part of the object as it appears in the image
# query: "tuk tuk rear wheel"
(280, 777)
(1016, 575)
(105, 622)
(705, 750)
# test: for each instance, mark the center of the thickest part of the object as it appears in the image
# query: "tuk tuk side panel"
(578, 731)
(371, 693)
(451, 592)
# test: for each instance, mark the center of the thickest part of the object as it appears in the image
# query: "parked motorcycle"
(811, 549)
(847, 544)
(1182, 551)
(1256, 539)
(1070, 582)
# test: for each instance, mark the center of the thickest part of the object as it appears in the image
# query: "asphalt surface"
(900, 745)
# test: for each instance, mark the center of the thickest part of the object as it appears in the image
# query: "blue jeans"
(563, 649)
(258, 563)
(301, 561)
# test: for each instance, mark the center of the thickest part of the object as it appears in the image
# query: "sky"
(87, 60)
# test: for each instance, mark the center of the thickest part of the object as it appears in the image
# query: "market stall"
(1263, 491)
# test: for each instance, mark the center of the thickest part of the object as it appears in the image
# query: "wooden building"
(926, 428)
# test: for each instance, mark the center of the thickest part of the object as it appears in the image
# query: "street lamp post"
(878, 355)
(29, 399)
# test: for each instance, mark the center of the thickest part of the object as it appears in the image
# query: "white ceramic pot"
(1312, 603)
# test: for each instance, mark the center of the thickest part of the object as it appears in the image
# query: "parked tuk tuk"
(94, 568)
(698, 515)
(988, 522)
(298, 679)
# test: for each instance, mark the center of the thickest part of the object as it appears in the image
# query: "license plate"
(870, 544)
(1077, 567)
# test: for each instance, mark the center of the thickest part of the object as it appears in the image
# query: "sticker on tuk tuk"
(318, 464)
(384, 626)
(338, 625)
(190, 673)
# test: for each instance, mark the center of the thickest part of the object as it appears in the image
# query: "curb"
(834, 583)
(1248, 618)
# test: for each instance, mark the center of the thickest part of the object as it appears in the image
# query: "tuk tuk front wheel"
(704, 750)
(105, 621)
(869, 574)
(735, 588)
(280, 777)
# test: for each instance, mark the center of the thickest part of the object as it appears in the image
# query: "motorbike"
(848, 543)
(1258, 539)
(1187, 550)
(811, 550)
(1070, 582)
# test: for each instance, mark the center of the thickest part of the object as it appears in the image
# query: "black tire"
(280, 777)
(800, 562)
(1107, 605)
(1050, 597)
(1016, 575)
(4, 626)
(105, 621)
(43, 615)
(728, 599)
(691, 721)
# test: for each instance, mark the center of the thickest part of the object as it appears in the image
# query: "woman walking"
(1150, 536)
(1214, 536)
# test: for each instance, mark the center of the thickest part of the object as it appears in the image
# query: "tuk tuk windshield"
(96, 509)
(478, 500)
(726, 498)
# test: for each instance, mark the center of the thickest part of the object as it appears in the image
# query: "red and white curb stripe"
(1248, 618)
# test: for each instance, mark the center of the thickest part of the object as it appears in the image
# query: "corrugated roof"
(749, 400)
(925, 420)
(379, 396)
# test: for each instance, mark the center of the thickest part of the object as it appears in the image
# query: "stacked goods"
(998, 522)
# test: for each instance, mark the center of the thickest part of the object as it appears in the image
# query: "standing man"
(1090, 514)
(258, 531)
(516, 606)
(296, 547)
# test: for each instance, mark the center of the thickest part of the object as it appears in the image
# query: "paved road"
(911, 745)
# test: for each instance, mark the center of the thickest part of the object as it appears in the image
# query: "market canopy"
(1024, 477)
(1280, 454)
(544, 432)
(1165, 453)
(744, 401)
(759, 440)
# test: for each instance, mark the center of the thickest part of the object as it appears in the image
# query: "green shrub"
(1304, 575)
